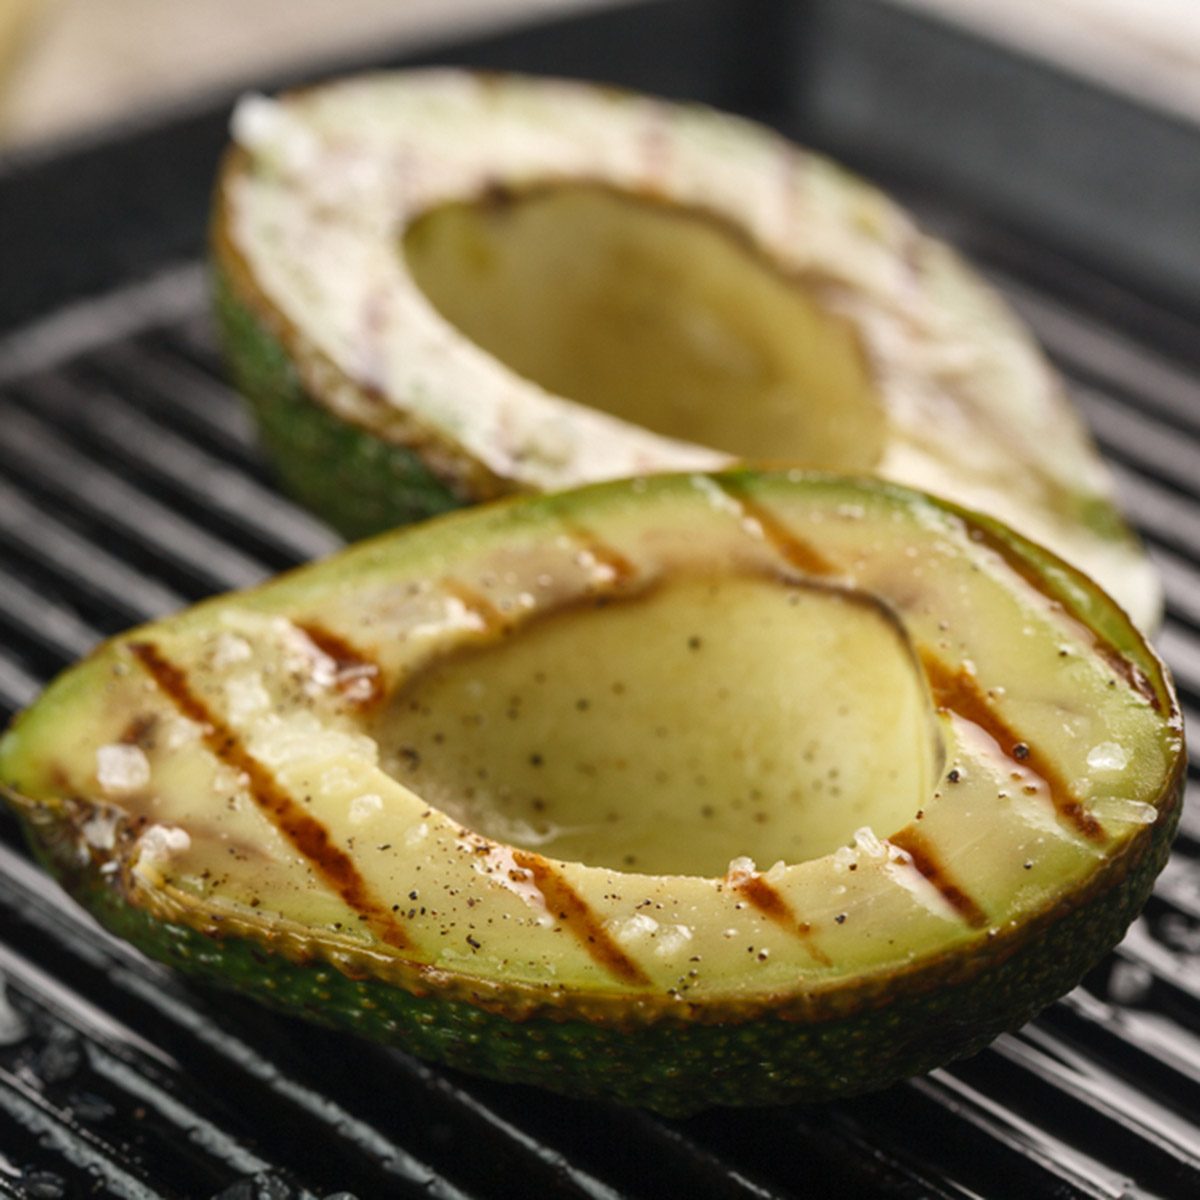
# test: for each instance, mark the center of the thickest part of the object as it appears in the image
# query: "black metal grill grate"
(130, 485)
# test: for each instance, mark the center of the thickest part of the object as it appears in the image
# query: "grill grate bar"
(86, 1059)
(1102, 355)
(75, 1010)
(1165, 453)
(82, 326)
(1055, 1157)
(54, 1130)
(840, 1139)
(120, 432)
(720, 1175)
(1180, 883)
(196, 341)
(154, 987)
(1163, 515)
(1141, 947)
(82, 564)
(1158, 1038)
(42, 620)
(17, 687)
(580, 1181)
(280, 1073)
(1108, 1099)
(1173, 1053)
(36, 450)
(1181, 584)
(1181, 648)
(152, 374)
(214, 1140)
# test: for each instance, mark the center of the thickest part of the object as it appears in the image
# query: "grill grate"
(130, 485)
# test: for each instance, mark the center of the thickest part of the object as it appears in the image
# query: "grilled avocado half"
(711, 789)
(440, 287)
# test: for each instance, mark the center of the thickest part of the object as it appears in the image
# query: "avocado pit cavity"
(659, 314)
(708, 720)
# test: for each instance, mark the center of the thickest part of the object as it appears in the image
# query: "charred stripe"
(771, 904)
(959, 692)
(925, 860)
(306, 833)
(356, 675)
(802, 555)
(567, 906)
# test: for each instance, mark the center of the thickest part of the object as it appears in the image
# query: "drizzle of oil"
(496, 862)
(1022, 784)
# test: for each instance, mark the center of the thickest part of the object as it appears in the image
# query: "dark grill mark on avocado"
(306, 833)
(488, 615)
(566, 906)
(959, 692)
(140, 731)
(1126, 668)
(356, 676)
(799, 553)
(771, 904)
(621, 569)
(925, 859)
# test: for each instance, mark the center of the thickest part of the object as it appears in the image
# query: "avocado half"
(441, 287)
(712, 789)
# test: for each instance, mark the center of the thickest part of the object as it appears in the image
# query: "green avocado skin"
(676, 1068)
(356, 481)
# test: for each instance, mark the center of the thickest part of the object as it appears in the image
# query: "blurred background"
(1096, 101)
(67, 65)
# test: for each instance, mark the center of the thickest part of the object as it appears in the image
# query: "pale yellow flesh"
(715, 718)
(657, 315)
(655, 287)
(432, 606)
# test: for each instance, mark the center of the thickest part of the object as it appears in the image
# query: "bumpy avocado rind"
(878, 958)
(358, 482)
(357, 226)
(675, 1068)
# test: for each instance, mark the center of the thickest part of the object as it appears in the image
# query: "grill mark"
(960, 692)
(490, 617)
(140, 732)
(1133, 675)
(566, 904)
(800, 554)
(356, 675)
(306, 833)
(926, 861)
(772, 905)
(604, 555)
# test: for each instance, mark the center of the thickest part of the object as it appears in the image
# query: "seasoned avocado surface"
(439, 288)
(690, 790)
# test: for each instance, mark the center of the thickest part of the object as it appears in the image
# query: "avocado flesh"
(439, 288)
(655, 314)
(602, 756)
(258, 775)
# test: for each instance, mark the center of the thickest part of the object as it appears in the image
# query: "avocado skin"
(353, 479)
(676, 1068)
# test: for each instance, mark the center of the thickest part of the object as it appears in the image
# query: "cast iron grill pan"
(130, 484)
